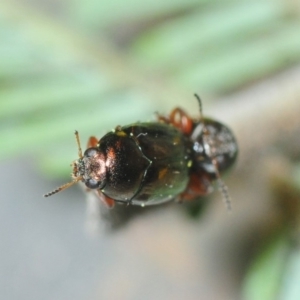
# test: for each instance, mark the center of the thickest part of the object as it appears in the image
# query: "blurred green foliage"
(264, 278)
(275, 270)
(91, 65)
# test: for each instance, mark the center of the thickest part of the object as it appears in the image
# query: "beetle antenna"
(67, 185)
(200, 106)
(78, 144)
(222, 186)
(63, 187)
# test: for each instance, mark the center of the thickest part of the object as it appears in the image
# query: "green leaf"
(264, 277)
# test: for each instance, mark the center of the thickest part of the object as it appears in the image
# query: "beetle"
(176, 157)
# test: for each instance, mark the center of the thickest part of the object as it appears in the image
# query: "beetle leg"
(198, 186)
(181, 120)
(92, 142)
(109, 202)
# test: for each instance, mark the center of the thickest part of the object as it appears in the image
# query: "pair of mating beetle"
(176, 157)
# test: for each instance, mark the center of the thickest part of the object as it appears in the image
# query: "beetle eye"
(92, 183)
(90, 152)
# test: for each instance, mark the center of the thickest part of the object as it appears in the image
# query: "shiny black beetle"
(176, 157)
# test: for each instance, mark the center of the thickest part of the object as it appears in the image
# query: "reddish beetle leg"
(197, 186)
(110, 203)
(179, 119)
(92, 142)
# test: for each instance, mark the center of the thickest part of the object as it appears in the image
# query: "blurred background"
(91, 65)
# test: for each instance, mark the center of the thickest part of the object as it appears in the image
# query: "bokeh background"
(91, 65)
